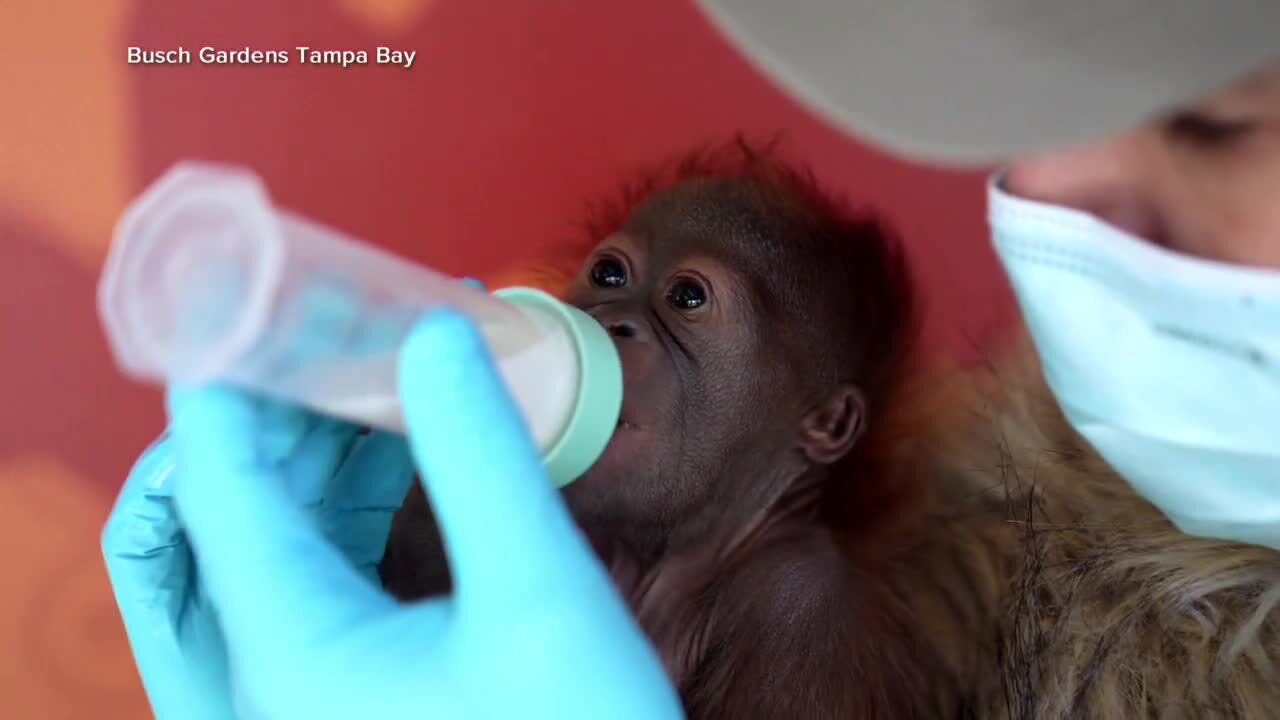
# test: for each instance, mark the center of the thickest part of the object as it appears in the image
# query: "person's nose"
(1109, 179)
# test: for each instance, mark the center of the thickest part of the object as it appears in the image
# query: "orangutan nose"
(623, 329)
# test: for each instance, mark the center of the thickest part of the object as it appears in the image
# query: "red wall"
(513, 115)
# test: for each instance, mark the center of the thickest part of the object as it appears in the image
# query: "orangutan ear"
(830, 430)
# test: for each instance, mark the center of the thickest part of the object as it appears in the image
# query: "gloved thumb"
(505, 526)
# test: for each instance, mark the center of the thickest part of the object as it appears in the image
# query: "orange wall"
(513, 115)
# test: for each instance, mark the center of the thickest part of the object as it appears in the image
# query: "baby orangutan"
(760, 327)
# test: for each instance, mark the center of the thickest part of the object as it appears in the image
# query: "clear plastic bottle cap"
(227, 265)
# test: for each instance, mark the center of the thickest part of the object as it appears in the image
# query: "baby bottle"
(207, 281)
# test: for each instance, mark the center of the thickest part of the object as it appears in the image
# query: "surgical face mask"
(1167, 364)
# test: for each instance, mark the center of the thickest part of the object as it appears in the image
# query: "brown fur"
(1009, 573)
(1108, 611)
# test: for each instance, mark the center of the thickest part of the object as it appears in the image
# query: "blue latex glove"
(534, 629)
(175, 636)
(176, 640)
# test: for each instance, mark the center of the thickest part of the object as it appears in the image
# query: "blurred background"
(478, 158)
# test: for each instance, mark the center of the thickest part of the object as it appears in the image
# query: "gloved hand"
(534, 629)
(177, 642)
(175, 637)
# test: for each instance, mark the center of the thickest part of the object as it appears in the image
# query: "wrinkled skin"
(699, 363)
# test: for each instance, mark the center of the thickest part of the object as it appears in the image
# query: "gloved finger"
(178, 654)
(506, 529)
(312, 447)
(305, 446)
(475, 284)
(142, 539)
(363, 496)
(320, 449)
(277, 583)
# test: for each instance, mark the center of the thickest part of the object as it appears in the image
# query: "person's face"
(1204, 180)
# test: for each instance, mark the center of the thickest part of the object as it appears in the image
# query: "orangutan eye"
(609, 273)
(686, 295)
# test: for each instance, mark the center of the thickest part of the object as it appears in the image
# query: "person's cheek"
(1248, 233)
(1221, 203)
